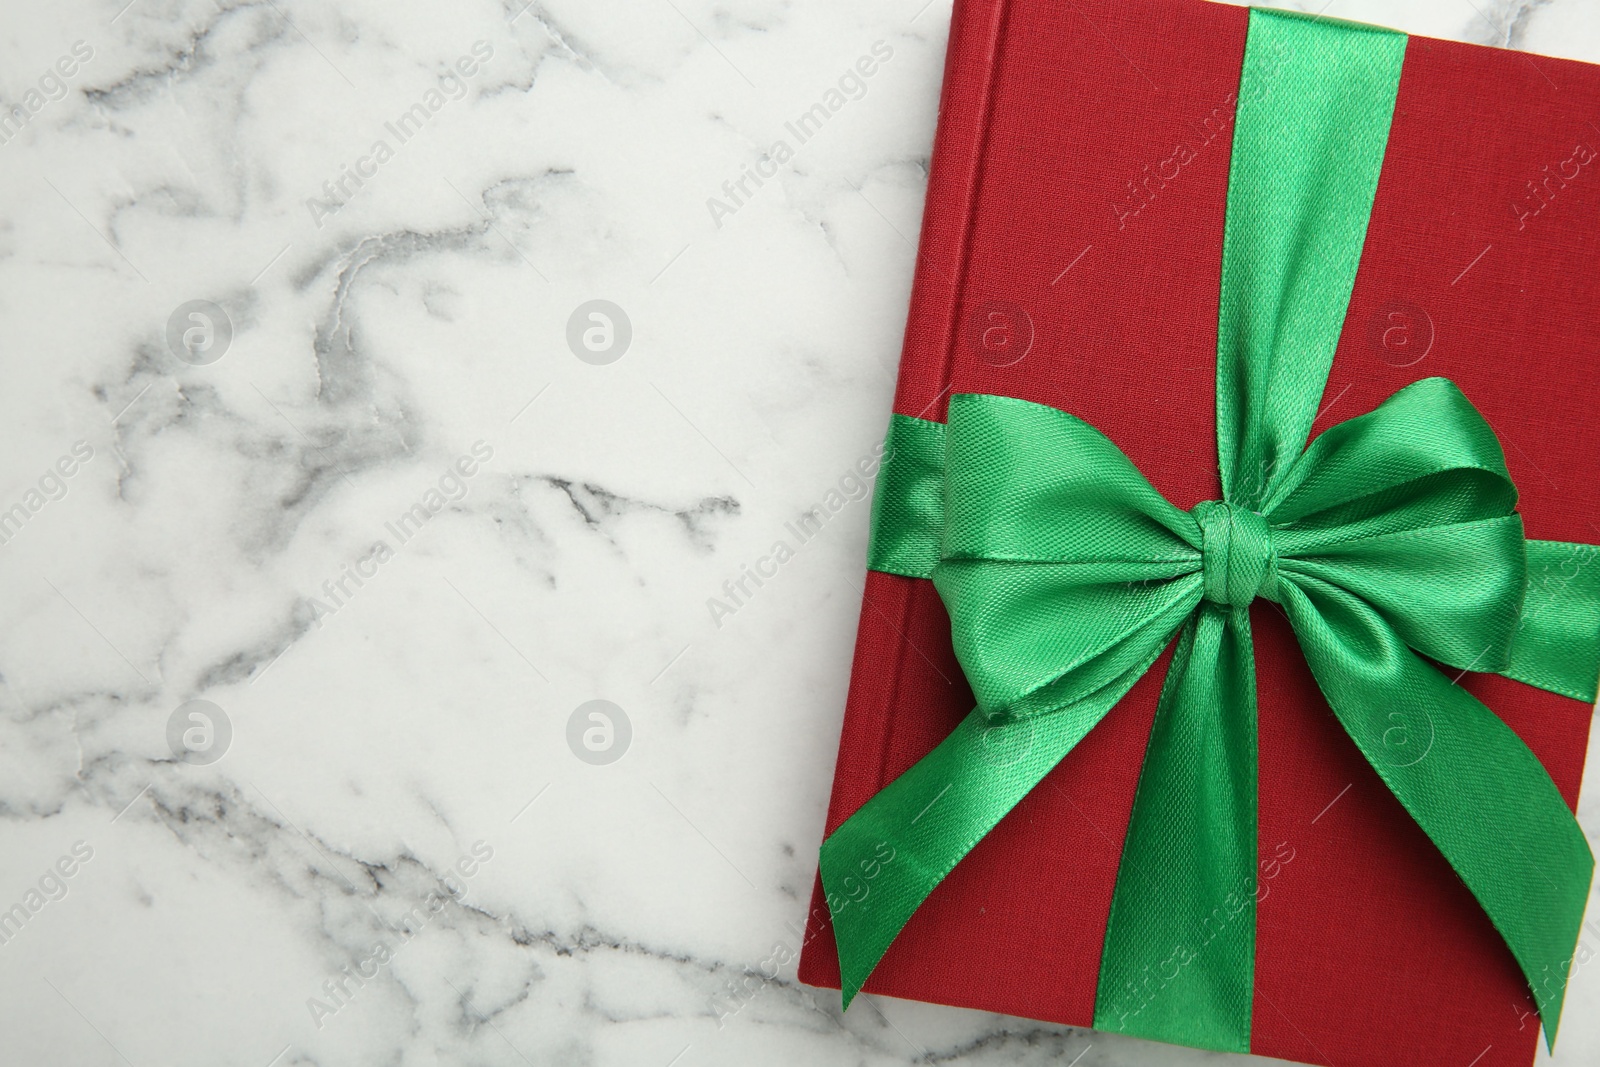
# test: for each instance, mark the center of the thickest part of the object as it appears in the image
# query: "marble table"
(386, 384)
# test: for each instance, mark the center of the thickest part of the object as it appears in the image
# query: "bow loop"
(1423, 457)
(1062, 568)
(1030, 483)
(1409, 507)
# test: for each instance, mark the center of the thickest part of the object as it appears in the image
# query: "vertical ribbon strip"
(1314, 107)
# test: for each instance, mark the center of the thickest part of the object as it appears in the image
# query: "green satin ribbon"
(1390, 542)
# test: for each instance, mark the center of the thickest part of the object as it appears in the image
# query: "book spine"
(955, 175)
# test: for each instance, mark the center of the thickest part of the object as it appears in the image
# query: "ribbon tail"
(1463, 775)
(883, 862)
(1179, 957)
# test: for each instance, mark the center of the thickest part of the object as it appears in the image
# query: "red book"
(1070, 255)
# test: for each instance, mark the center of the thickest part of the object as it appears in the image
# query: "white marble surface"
(400, 747)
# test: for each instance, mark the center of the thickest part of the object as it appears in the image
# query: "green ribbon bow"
(1390, 542)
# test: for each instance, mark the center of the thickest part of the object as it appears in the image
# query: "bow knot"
(1237, 557)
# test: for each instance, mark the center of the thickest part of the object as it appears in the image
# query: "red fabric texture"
(1069, 257)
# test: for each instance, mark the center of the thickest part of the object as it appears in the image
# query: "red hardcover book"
(1071, 255)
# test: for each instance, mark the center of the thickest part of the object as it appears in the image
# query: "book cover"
(1071, 256)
